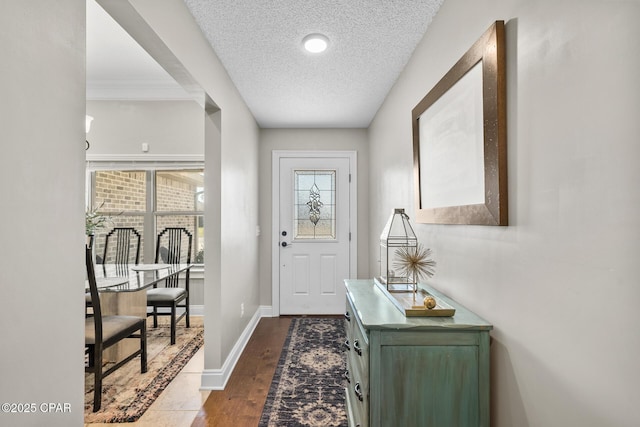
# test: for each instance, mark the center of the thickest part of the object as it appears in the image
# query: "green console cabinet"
(414, 371)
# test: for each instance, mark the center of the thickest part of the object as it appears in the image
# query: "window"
(179, 197)
(150, 201)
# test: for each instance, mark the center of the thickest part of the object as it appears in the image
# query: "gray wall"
(42, 108)
(231, 146)
(310, 139)
(560, 283)
(169, 127)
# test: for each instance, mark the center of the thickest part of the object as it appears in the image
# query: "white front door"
(313, 234)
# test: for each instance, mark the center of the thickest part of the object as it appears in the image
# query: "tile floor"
(179, 403)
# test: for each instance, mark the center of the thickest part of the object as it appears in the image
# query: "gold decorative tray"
(411, 305)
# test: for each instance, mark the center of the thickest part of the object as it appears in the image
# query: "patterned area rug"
(126, 393)
(308, 385)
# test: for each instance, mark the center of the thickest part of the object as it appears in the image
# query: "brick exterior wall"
(120, 191)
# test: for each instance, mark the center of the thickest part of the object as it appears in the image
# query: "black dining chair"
(126, 249)
(121, 246)
(173, 247)
(102, 332)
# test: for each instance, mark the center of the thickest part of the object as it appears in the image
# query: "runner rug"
(308, 385)
(126, 393)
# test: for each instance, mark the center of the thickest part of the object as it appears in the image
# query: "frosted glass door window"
(314, 214)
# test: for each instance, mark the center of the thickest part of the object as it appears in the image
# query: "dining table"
(123, 291)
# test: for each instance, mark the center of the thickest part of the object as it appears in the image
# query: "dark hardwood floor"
(240, 403)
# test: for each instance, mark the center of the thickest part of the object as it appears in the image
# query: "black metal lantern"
(397, 234)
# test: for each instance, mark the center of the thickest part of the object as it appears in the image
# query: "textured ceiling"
(260, 44)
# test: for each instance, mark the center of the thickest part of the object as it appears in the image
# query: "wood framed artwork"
(460, 140)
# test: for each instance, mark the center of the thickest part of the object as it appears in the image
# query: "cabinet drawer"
(358, 346)
(358, 356)
(357, 402)
(357, 391)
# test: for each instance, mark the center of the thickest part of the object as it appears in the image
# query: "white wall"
(309, 139)
(560, 283)
(169, 127)
(42, 107)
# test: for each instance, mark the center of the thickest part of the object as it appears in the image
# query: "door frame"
(275, 213)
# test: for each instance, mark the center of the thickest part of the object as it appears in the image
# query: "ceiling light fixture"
(315, 43)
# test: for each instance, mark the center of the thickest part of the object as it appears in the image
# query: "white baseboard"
(216, 379)
(196, 310)
(266, 311)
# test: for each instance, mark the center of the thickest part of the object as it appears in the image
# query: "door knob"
(284, 244)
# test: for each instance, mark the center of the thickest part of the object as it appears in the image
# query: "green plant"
(95, 221)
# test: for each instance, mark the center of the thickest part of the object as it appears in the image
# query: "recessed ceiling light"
(315, 43)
